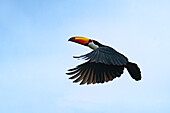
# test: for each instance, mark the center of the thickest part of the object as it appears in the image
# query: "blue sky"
(35, 55)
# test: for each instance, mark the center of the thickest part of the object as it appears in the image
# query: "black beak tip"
(72, 39)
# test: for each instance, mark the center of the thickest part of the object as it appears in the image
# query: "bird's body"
(103, 65)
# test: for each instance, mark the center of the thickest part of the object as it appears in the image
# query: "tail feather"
(134, 70)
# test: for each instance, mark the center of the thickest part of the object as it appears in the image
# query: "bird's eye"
(90, 40)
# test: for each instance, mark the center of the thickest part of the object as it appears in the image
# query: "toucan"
(103, 64)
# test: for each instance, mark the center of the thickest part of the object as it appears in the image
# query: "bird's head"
(86, 42)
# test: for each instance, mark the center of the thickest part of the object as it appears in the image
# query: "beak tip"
(71, 39)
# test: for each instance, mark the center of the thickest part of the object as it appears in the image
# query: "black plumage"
(90, 72)
(103, 65)
(106, 55)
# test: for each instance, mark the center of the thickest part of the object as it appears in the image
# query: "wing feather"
(106, 55)
(85, 79)
(81, 76)
(75, 76)
(103, 65)
(73, 72)
(96, 73)
(90, 80)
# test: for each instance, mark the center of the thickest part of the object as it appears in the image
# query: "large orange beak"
(80, 40)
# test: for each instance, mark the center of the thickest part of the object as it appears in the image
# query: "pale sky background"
(35, 55)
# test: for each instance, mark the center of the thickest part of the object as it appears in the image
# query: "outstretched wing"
(104, 64)
(105, 55)
(90, 72)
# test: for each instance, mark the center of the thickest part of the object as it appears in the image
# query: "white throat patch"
(93, 46)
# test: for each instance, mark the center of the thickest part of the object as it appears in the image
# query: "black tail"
(134, 70)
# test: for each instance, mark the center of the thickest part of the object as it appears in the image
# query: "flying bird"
(103, 64)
